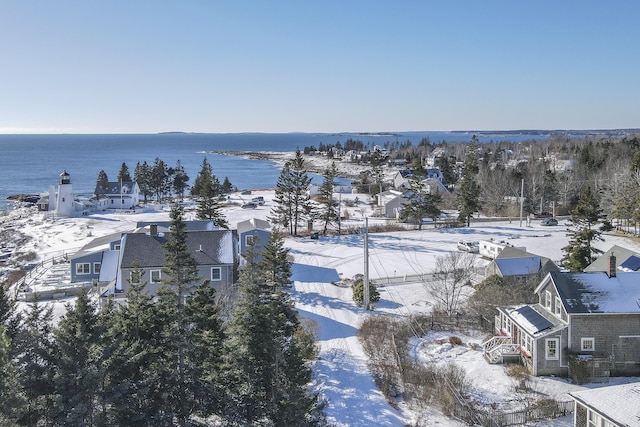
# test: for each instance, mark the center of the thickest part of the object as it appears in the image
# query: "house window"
(134, 277)
(216, 274)
(249, 239)
(587, 344)
(155, 276)
(551, 345)
(596, 420)
(83, 268)
(558, 307)
(547, 300)
(96, 267)
(116, 247)
(111, 201)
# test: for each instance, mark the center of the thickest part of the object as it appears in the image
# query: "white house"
(118, 195)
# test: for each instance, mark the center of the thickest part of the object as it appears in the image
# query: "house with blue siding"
(254, 231)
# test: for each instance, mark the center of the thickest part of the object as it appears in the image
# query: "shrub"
(453, 340)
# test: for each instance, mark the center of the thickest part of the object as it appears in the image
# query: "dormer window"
(558, 307)
(547, 300)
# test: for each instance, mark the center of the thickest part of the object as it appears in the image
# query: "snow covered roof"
(618, 403)
(207, 247)
(596, 292)
(532, 320)
(109, 267)
(252, 224)
(518, 266)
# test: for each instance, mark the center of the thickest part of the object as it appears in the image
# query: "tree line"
(159, 181)
(163, 360)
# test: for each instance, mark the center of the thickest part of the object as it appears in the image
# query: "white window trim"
(132, 281)
(159, 276)
(219, 270)
(547, 300)
(97, 266)
(248, 239)
(586, 340)
(547, 356)
(80, 268)
(558, 307)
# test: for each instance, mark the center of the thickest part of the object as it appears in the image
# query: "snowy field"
(342, 377)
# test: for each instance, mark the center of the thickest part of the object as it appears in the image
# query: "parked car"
(471, 247)
(250, 205)
(259, 200)
(549, 221)
(246, 192)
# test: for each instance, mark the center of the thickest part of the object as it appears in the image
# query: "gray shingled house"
(215, 253)
(588, 319)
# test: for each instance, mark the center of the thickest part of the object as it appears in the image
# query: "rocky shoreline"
(313, 163)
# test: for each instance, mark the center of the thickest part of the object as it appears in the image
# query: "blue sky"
(325, 66)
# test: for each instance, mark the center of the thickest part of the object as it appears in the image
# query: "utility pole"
(365, 282)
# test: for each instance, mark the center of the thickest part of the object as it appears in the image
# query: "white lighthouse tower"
(64, 196)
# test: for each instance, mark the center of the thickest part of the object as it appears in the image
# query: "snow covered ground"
(342, 377)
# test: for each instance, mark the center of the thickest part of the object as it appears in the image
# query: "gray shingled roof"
(207, 247)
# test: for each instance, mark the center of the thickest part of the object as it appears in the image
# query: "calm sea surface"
(29, 164)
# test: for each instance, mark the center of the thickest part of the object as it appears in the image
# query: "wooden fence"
(549, 409)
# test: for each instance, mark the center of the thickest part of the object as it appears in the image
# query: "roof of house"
(620, 403)
(99, 244)
(252, 224)
(109, 267)
(596, 292)
(512, 261)
(534, 319)
(207, 248)
(518, 266)
(602, 262)
(195, 225)
(114, 188)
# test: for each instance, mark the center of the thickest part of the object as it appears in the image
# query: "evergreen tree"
(11, 399)
(180, 179)
(205, 351)
(421, 203)
(159, 179)
(123, 175)
(103, 179)
(226, 186)
(205, 174)
(142, 176)
(377, 161)
(209, 207)
(468, 198)
(330, 210)
(264, 357)
(77, 363)
(580, 252)
(35, 362)
(291, 198)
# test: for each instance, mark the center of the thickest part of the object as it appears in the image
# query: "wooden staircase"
(495, 348)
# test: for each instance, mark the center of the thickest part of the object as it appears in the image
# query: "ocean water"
(30, 164)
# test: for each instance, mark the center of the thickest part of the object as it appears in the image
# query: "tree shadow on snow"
(312, 273)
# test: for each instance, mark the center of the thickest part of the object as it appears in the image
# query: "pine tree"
(421, 203)
(580, 252)
(103, 179)
(35, 362)
(12, 401)
(468, 198)
(264, 357)
(205, 351)
(292, 198)
(205, 174)
(180, 179)
(209, 207)
(123, 175)
(142, 176)
(77, 363)
(330, 210)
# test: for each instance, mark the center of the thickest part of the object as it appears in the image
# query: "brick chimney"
(612, 266)
(153, 230)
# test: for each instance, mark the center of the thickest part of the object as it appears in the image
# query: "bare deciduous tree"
(451, 277)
